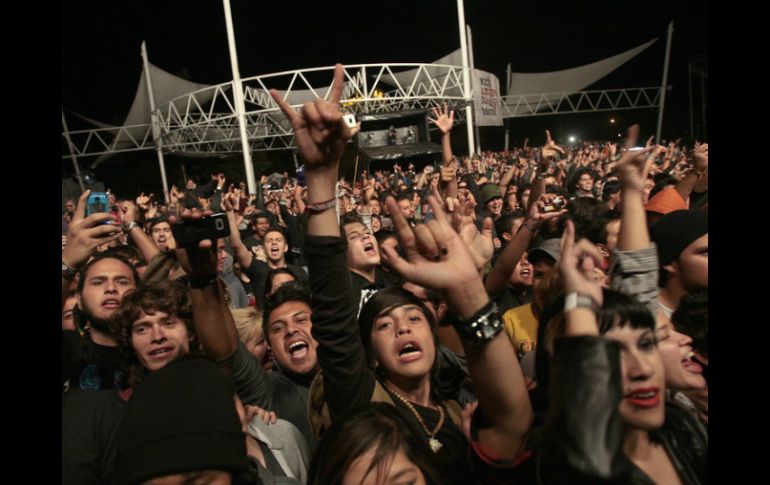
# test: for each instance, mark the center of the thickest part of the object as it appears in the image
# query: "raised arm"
(634, 268)
(506, 263)
(696, 176)
(242, 254)
(213, 321)
(133, 228)
(321, 136)
(436, 257)
(84, 235)
(583, 438)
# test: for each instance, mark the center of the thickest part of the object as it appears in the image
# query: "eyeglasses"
(358, 235)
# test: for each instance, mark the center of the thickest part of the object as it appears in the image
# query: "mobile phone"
(190, 233)
(97, 202)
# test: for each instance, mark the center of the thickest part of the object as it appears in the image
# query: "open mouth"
(298, 350)
(644, 398)
(370, 249)
(409, 352)
(690, 364)
(161, 351)
(111, 303)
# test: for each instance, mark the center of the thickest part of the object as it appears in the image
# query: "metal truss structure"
(189, 124)
(205, 121)
(581, 102)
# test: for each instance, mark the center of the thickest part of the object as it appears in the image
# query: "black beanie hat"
(181, 418)
(675, 231)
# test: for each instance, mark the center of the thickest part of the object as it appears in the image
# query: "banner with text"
(486, 99)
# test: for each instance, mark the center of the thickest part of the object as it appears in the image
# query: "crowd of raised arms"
(532, 316)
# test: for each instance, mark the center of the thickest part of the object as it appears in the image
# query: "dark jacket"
(582, 440)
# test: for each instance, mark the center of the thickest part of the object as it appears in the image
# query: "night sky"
(101, 41)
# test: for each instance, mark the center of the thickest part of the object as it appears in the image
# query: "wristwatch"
(67, 271)
(574, 300)
(130, 226)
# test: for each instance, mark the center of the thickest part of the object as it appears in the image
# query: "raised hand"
(700, 157)
(199, 262)
(632, 135)
(142, 201)
(633, 167)
(86, 234)
(436, 257)
(537, 212)
(577, 263)
(444, 119)
(320, 131)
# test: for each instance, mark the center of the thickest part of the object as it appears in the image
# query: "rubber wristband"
(321, 206)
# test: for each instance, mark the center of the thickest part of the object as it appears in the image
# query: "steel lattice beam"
(524, 105)
(205, 121)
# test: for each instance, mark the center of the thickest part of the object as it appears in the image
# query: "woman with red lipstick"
(608, 419)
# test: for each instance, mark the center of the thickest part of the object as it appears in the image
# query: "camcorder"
(191, 232)
(557, 204)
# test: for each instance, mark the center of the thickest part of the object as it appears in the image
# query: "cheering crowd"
(538, 315)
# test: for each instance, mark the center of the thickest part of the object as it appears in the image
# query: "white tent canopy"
(570, 80)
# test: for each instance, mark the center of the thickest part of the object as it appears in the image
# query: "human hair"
(386, 300)
(130, 253)
(590, 218)
(168, 296)
(377, 426)
(349, 218)
(617, 311)
(259, 215)
(610, 188)
(520, 193)
(692, 318)
(273, 272)
(247, 320)
(157, 220)
(277, 229)
(291, 291)
(577, 175)
(505, 221)
(111, 253)
(662, 180)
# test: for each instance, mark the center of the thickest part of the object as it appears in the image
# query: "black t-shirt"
(257, 274)
(508, 299)
(90, 420)
(451, 461)
(86, 365)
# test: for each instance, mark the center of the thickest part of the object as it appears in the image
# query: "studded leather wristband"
(481, 327)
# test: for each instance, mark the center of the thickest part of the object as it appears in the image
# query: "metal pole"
(240, 109)
(703, 104)
(664, 83)
(466, 75)
(508, 78)
(155, 123)
(72, 151)
(472, 63)
(689, 88)
(506, 139)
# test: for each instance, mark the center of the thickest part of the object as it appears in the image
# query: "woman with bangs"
(608, 421)
(389, 353)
